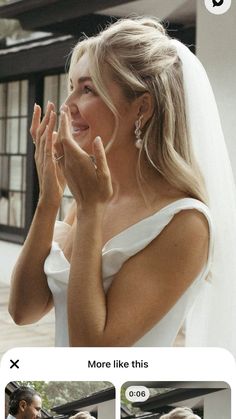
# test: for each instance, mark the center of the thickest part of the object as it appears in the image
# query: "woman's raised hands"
(50, 175)
(89, 183)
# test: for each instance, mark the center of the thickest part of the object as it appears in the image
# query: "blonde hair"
(180, 413)
(141, 58)
(82, 415)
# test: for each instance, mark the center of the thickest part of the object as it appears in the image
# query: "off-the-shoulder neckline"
(152, 216)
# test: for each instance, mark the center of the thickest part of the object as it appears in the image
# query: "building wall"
(216, 39)
(218, 405)
(106, 410)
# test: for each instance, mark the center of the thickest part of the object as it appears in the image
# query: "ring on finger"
(57, 158)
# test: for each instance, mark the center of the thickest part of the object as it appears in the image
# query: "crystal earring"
(137, 132)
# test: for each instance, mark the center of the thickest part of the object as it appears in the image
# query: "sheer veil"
(213, 318)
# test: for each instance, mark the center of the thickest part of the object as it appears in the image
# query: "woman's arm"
(148, 284)
(30, 297)
(145, 288)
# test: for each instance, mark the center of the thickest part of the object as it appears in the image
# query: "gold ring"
(58, 158)
(34, 142)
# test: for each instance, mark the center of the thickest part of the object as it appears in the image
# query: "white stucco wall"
(106, 410)
(216, 41)
(218, 405)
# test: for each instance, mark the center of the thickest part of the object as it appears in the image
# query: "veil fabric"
(212, 321)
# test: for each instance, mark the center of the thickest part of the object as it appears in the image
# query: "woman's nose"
(73, 108)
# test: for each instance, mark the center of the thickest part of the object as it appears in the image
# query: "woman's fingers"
(35, 121)
(64, 132)
(47, 134)
(102, 169)
(100, 157)
(45, 121)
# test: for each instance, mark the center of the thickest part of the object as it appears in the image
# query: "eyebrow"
(83, 79)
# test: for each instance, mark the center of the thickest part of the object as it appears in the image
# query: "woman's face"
(90, 115)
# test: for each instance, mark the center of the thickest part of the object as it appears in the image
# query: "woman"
(134, 251)
(180, 413)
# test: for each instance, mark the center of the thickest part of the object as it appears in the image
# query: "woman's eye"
(87, 89)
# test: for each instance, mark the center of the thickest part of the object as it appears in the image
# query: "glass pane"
(51, 90)
(15, 209)
(12, 135)
(22, 210)
(24, 98)
(4, 164)
(16, 173)
(63, 89)
(4, 203)
(23, 135)
(2, 135)
(23, 185)
(13, 99)
(3, 89)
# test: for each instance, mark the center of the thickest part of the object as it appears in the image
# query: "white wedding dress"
(115, 252)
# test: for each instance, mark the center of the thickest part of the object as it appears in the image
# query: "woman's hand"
(50, 175)
(90, 184)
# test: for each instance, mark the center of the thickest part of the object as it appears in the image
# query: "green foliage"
(55, 393)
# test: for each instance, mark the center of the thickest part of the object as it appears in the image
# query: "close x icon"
(14, 363)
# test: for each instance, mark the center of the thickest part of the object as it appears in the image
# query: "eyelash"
(86, 89)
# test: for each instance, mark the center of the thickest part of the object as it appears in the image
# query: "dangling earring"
(137, 132)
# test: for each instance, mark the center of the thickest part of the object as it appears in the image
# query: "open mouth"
(78, 130)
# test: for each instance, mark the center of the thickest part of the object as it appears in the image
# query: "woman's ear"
(145, 107)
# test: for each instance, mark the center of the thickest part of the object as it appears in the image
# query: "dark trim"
(37, 13)
(95, 398)
(173, 396)
(12, 234)
(43, 58)
(35, 94)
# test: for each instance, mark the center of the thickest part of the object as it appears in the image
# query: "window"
(13, 152)
(18, 179)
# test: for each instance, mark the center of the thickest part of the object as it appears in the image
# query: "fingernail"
(98, 140)
(64, 108)
(35, 106)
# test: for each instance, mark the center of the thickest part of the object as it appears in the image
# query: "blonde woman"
(135, 250)
(180, 413)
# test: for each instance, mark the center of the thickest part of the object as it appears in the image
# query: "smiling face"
(30, 410)
(91, 116)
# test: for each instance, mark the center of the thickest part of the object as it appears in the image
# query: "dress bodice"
(114, 253)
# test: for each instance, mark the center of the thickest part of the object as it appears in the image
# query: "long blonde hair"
(141, 58)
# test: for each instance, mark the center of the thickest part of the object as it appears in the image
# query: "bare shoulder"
(178, 253)
(182, 246)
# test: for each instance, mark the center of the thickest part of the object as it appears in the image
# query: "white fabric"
(10, 416)
(115, 252)
(212, 322)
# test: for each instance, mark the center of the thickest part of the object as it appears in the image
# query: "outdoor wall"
(106, 410)
(8, 255)
(217, 405)
(216, 39)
